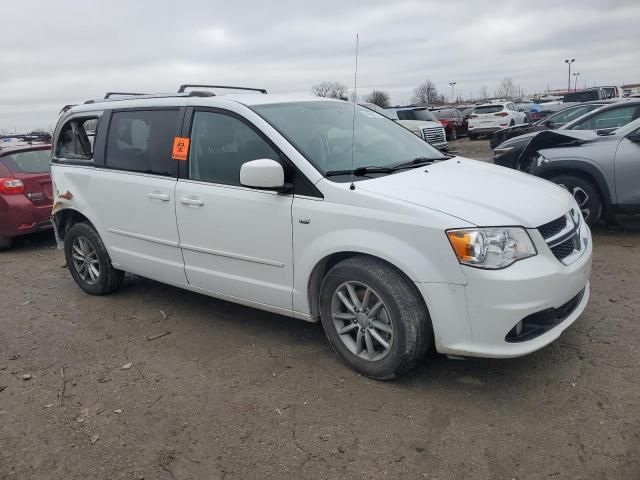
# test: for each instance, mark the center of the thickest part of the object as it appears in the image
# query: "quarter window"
(141, 141)
(76, 138)
(220, 144)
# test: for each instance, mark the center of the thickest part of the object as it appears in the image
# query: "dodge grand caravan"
(280, 203)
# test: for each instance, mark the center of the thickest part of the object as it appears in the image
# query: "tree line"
(425, 93)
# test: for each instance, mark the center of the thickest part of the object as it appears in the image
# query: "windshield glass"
(35, 161)
(322, 131)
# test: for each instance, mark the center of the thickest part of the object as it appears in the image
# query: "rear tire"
(586, 195)
(89, 261)
(390, 330)
(473, 136)
(5, 243)
(453, 136)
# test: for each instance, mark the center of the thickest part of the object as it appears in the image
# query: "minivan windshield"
(323, 132)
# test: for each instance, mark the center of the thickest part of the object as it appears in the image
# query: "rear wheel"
(453, 135)
(473, 136)
(89, 261)
(512, 123)
(374, 317)
(586, 195)
(5, 243)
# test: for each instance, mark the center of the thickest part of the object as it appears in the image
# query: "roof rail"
(184, 87)
(128, 94)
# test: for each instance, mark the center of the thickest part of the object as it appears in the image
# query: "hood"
(555, 138)
(476, 192)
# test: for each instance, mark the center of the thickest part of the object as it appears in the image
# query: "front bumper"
(475, 319)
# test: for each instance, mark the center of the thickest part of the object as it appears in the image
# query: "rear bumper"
(477, 319)
(19, 216)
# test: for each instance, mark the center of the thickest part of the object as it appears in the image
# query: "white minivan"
(321, 210)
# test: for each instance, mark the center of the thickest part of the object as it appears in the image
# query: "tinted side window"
(220, 144)
(141, 141)
(76, 139)
(616, 117)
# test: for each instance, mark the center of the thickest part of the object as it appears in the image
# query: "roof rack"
(184, 87)
(127, 94)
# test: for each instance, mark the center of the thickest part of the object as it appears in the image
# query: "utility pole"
(569, 62)
(453, 86)
(576, 74)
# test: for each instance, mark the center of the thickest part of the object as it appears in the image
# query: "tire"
(107, 279)
(586, 194)
(5, 243)
(512, 123)
(473, 136)
(453, 136)
(402, 321)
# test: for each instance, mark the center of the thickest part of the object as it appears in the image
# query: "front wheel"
(586, 195)
(5, 243)
(374, 317)
(89, 261)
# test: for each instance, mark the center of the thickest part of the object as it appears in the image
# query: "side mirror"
(265, 174)
(634, 137)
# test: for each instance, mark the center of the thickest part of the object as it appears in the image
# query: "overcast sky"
(56, 52)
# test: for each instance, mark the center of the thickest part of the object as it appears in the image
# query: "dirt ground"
(236, 393)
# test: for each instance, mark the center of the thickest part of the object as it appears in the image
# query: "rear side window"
(488, 109)
(35, 161)
(141, 141)
(76, 139)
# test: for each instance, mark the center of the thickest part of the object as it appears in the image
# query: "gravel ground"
(236, 393)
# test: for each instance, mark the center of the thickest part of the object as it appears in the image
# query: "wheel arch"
(325, 264)
(580, 169)
(64, 219)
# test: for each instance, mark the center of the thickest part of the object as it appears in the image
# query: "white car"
(488, 118)
(421, 122)
(276, 202)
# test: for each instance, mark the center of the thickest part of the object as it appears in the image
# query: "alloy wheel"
(582, 199)
(362, 320)
(85, 260)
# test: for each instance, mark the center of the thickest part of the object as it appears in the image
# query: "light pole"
(453, 87)
(575, 74)
(569, 62)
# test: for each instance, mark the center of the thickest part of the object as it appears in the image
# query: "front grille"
(433, 135)
(565, 249)
(562, 235)
(552, 228)
(536, 324)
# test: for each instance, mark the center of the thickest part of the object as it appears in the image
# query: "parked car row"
(590, 149)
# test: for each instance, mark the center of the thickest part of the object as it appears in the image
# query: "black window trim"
(302, 186)
(104, 137)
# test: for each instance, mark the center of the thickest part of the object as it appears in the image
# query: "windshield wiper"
(418, 162)
(360, 171)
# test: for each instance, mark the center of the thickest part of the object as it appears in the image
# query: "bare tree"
(426, 92)
(379, 97)
(330, 89)
(507, 88)
(484, 93)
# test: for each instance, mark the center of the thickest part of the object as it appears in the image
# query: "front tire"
(89, 261)
(374, 317)
(586, 195)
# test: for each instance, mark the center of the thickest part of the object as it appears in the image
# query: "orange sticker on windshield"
(180, 148)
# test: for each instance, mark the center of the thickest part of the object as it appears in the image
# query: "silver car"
(600, 168)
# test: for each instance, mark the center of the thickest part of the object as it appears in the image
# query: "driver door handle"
(191, 201)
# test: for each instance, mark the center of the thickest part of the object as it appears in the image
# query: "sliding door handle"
(196, 202)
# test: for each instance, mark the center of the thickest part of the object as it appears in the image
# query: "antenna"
(353, 126)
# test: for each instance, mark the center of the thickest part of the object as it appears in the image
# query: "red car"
(452, 120)
(25, 189)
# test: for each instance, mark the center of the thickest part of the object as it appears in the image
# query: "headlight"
(491, 248)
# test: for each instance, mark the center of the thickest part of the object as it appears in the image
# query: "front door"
(236, 241)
